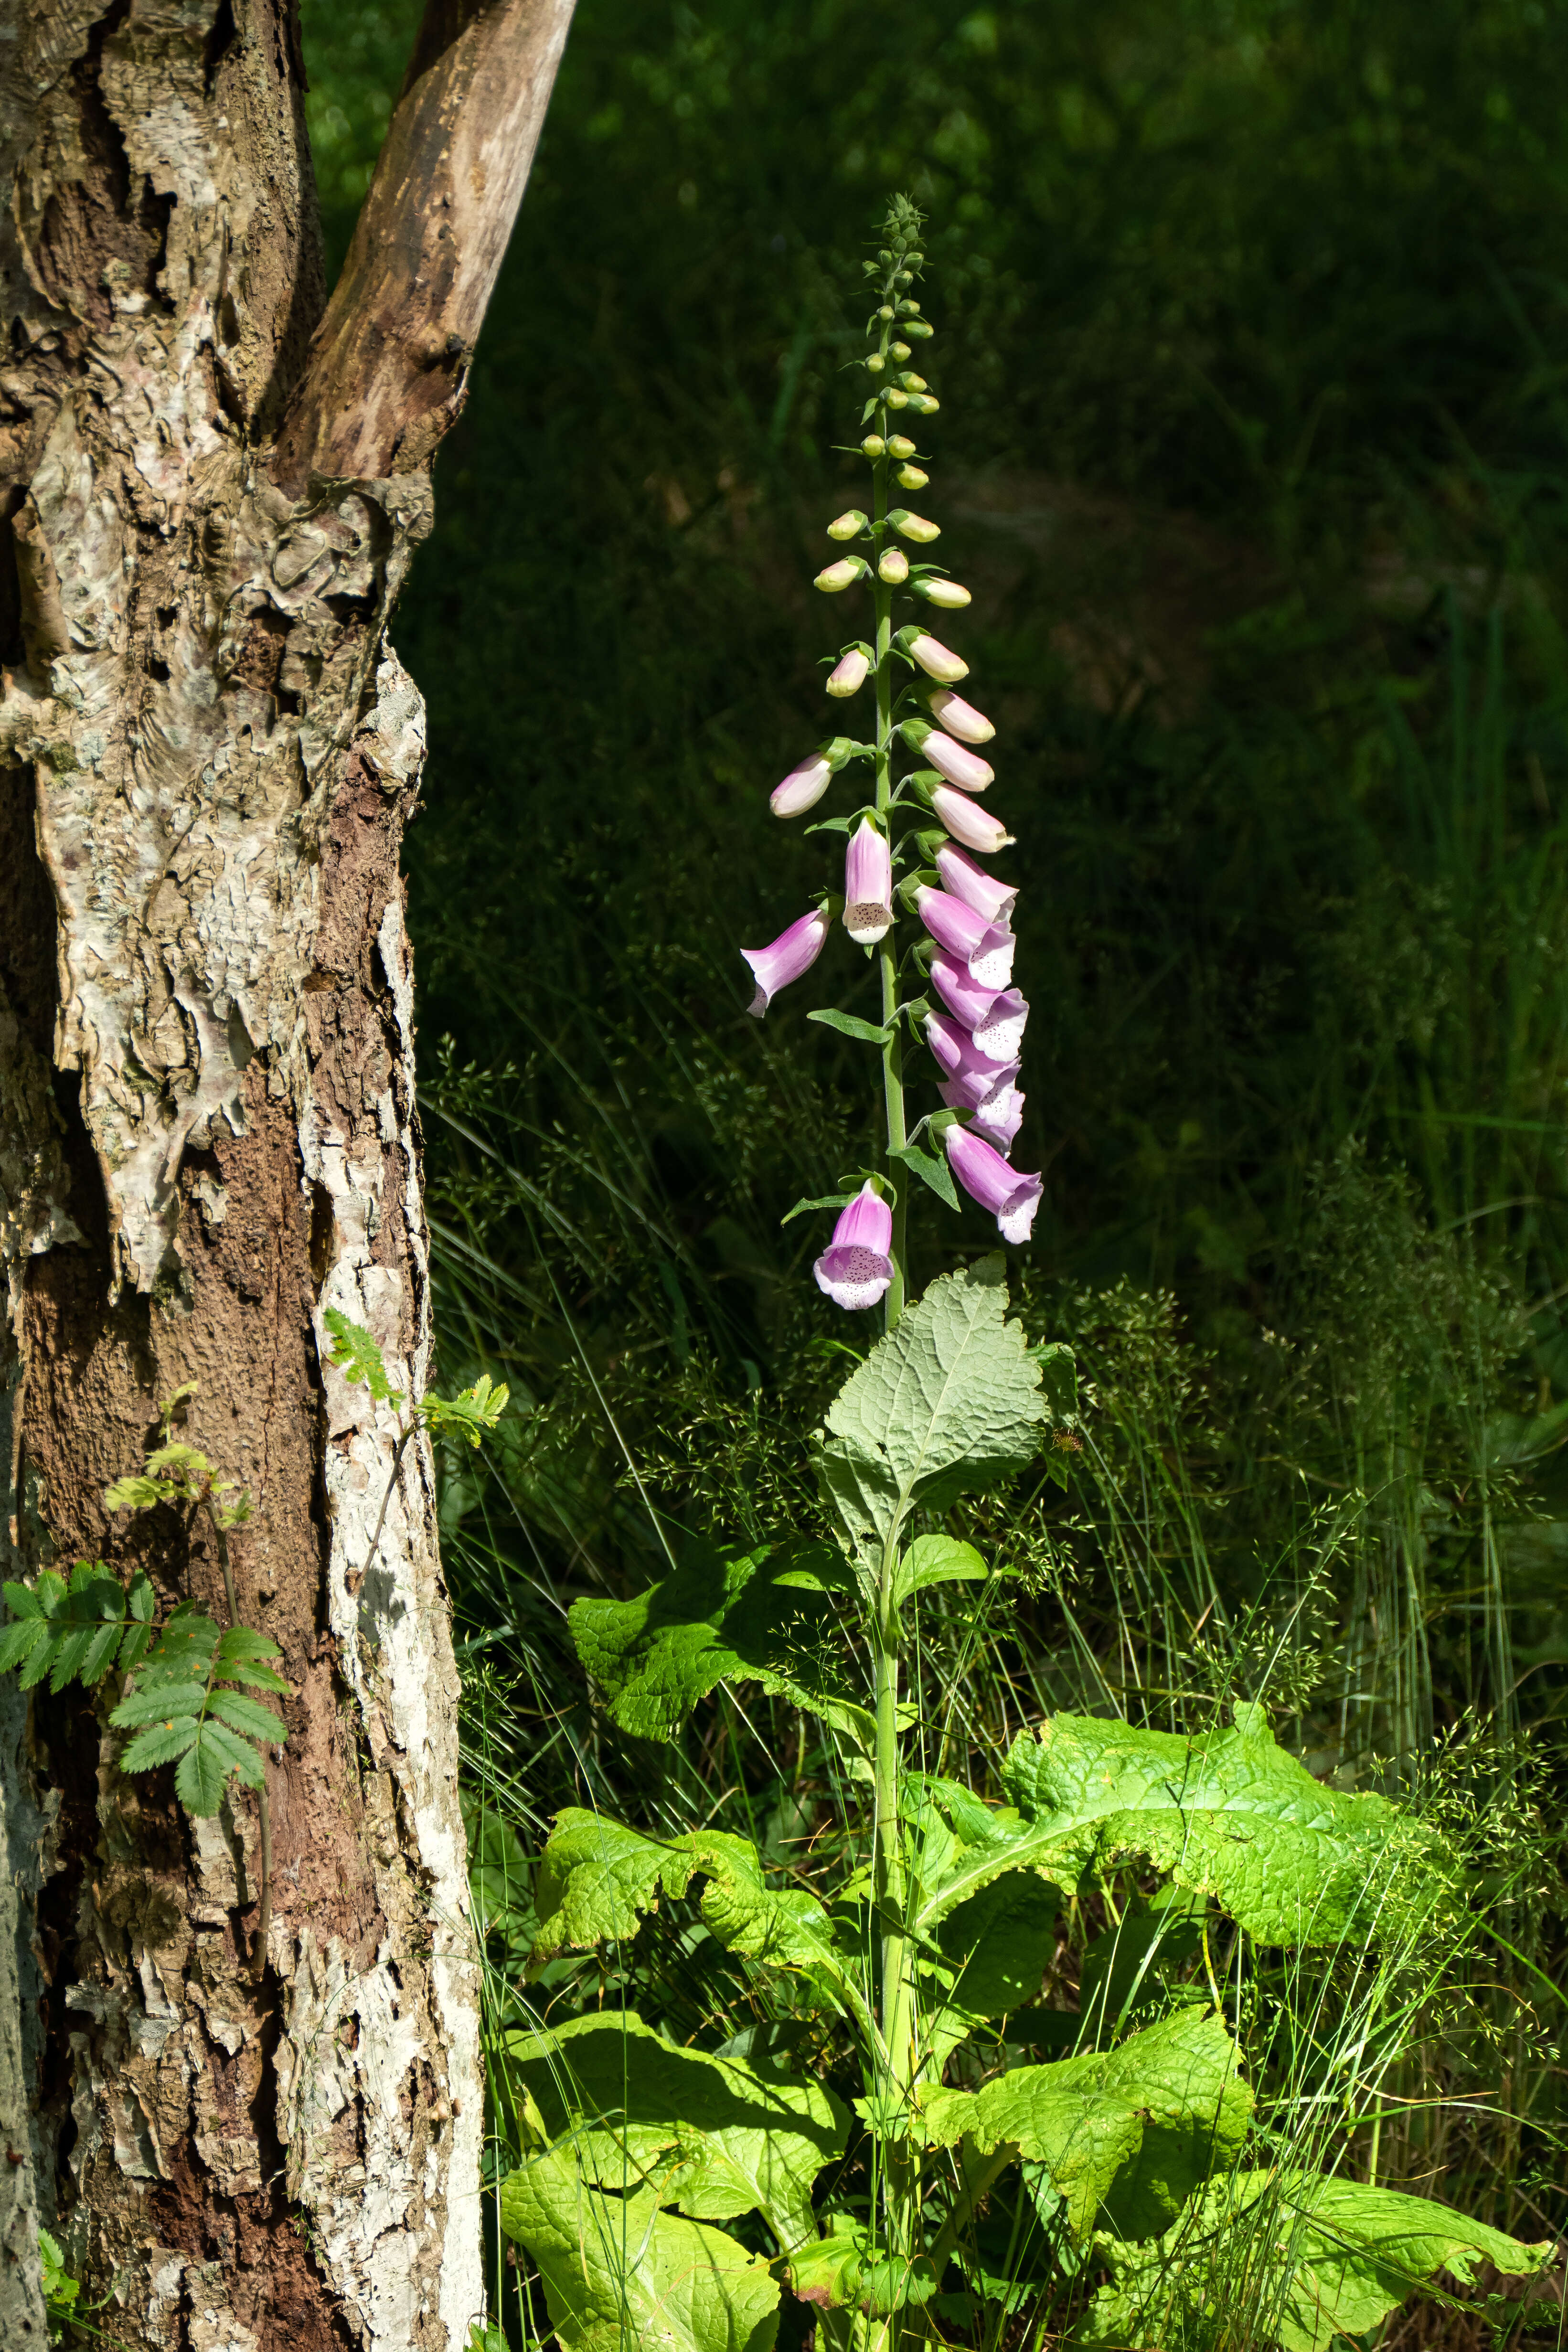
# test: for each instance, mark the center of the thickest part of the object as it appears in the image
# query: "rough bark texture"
(207, 1139)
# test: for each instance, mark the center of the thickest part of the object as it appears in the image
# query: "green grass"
(1252, 344)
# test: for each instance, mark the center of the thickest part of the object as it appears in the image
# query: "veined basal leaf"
(719, 1618)
(620, 2269)
(1085, 2118)
(597, 1878)
(994, 1952)
(716, 2137)
(947, 1402)
(1290, 2258)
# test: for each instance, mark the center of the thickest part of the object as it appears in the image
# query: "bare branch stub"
(386, 373)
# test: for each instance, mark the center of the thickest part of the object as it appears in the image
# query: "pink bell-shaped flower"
(997, 1119)
(972, 1078)
(985, 1176)
(867, 884)
(969, 823)
(802, 787)
(856, 1266)
(791, 954)
(985, 948)
(993, 902)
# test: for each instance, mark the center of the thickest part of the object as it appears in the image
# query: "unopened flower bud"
(915, 527)
(921, 327)
(913, 383)
(802, 787)
(909, 477)
(899, 350)
(895, 398)
(847, 525)
(893, 566)
(958, 717)
(900, 446)
(947, 593)
(885, 258)
(965, 768)
(968, 822)
(876, 362)
(849, 675)
(885, 311)
(936, 660)
(902, 278)
(916, 260)
(907, 310)
(924, 404)
(873, 445)
(843, 574)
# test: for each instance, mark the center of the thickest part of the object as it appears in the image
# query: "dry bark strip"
(211, 482)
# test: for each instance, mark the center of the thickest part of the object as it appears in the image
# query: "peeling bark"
(208, 1138)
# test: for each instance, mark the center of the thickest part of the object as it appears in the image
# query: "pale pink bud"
(969, 823)
(856, 1266)
(867, 884)
(916, 528)
(935, 659)
(950, 760)
(847, 525)
(791, 954)
(802, 787)
(947, 593)
(912, 478)
(849, 676)
(985, 1176)
(836, 577)
(893, 565)
(985, 948)
(900, 446)
(960, 718)
(993, 902)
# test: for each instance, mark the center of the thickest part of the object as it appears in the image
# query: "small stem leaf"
(930, 1170)
(244, 1642)
(23, 1601)
(255, 1678)
(153, 1705)
(356, 1354)
(19, 1641)
(68, 1656)
(849, 1024)
(938, 1560)
(238, 1755)
(249, 1716)
(826, 1201)
(98, 1655)
(160, 1743)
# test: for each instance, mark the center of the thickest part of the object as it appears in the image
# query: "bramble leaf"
(356, 1354)
(947, 1402)
(1317, 2259)
(716, 2137)
(619, 2270)
(1085, 2118)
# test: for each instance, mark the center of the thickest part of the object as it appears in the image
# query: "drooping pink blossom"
(997, 1119)
(959, 719)
(969, 823)
(985, 948)
(856, 1266)
(998, 1035)
(961, 878)
(867, 884)
(972, 1078)
(802, 787)
(936, 660)
(965, 768)
(848, 675)
(985, 1176)
(963, 994)
(791, 954)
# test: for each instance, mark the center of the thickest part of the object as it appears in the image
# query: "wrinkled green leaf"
(1292, 2259)
(357, 1356)
(718, 2137)
(618, 2272)
(134, 1493)
(947, 1402)
(827, 2272)
(719, 1618)
(1084, 2118)
(993, 1948)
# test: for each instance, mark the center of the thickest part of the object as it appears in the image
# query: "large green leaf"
(597, 1878)
(1290, 2259)
(620, 2272)
(1229, 1814)
(1085, 2118)
(994, 1952)
(714, 2134)
(722, 1617)
(948, 1401)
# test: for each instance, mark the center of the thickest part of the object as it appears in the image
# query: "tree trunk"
(212, 489)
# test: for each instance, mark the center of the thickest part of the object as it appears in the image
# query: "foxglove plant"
(898, 860)
(911, 1944)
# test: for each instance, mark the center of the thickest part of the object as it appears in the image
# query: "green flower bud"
(848, 525)
(893, 566)
(909, 477)
(920, 326)
(924, 404)
(916, 260)
(902, 278)
(884, 257)
(913, 383)
(946, 594)
(901, 447)
(895, 398)
(873, 445)
(885, 311)
(876, 362)
(840, 575)
(909, 309)
(915, 527)
(899, 350)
